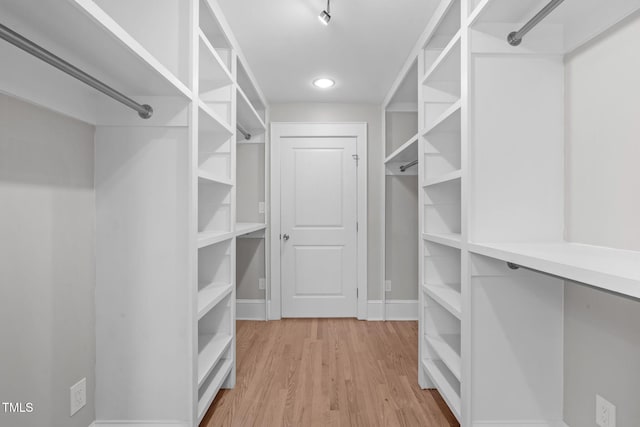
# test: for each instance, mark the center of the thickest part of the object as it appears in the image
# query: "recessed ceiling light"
(325, 15)
(323, 83)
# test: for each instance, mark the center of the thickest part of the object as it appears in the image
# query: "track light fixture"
(325, 15)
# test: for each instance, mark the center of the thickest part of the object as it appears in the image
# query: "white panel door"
(318, 227)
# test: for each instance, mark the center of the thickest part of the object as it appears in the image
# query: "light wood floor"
(327, 372)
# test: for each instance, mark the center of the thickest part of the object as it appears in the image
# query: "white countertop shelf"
(406, 152)
(207, 177)
(447, 66)
(610, 269)
(213, 386)
(444, 380)
(248, 117)
(448, 239)
(209, 121)
(448, 298)
(449, 120)
(210, 295)
(451, 176)
(447, 347)
(210, 350)
(208, 238)
(248, 227)
(213, 72)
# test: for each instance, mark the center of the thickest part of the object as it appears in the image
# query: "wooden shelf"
(207, 177)
(213, 387)
(209, 121)
(448, 298)
(248, 117)
(211, 295)
(208, 238)
(248, 227)
(447, 348)
(448, 121)
(213, 72)
(406, 152)
(451, 176)
(210, 350)
(453, 240)
(609, 269)
(446, 67)
(445, 383)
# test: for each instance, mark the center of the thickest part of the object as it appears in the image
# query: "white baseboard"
(146, 423)
(395, 309)
(250, 309)
(519, 424)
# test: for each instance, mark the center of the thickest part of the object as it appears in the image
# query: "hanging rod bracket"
(515, 37)
(513, 266)
(147, 113)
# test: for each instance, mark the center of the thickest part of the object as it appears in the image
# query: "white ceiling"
(363, 48)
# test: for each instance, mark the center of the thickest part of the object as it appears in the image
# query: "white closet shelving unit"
(400, 130)
(491, 149)
(166, 188)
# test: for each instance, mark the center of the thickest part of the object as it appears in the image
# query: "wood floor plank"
(327, 372)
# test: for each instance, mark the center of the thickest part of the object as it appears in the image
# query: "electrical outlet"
(605, 412)
(387, 285)
(78, 395)
(262, 283)
(261, 207)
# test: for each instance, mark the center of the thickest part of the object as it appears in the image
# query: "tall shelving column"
(251, 171)
(215, 206)
(441, 174)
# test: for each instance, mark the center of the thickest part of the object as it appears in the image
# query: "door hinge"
(357, 292)
(357, 226)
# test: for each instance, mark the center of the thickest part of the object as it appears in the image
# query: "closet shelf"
(248, 117)
(444, 381)
(206, 177)
(449, 121)
(213, 72)
(446, 67)
(609, 269)
(448, 298)
(248, 227)
(208, 238)
(210, 350)
(209, 121)
(447, 347)
(406, 152)
(451, 176)
(210, 295)
(207, 396)
(448, 239)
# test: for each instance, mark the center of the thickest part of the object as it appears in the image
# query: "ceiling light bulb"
(324, 17)
(323, 83)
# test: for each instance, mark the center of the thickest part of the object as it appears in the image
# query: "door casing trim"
(357, 130)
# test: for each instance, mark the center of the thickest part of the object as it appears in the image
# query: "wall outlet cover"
(261, 207)
(605, 412)
(387, 285)
(78, 395)
(262, 283)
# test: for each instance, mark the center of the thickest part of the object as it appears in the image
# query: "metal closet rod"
(515, 37)
(244, 133)
(145, 111)
(408, 165)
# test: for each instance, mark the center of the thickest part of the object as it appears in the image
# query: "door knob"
(285, 237)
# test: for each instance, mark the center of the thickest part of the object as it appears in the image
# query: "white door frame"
(356, 130)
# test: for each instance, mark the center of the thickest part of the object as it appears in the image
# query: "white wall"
(371, 114)
(602, 332)
(47, 264)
